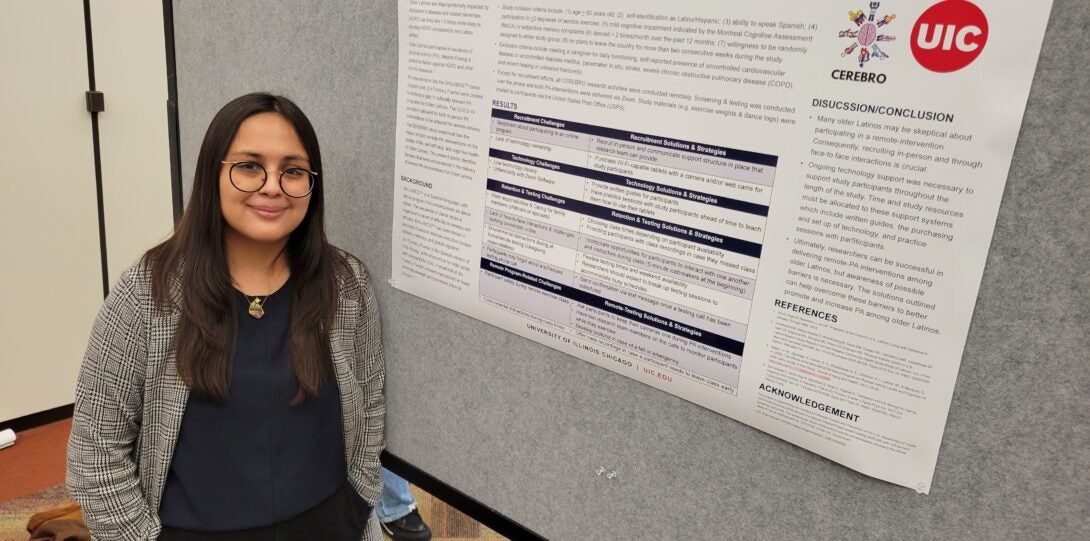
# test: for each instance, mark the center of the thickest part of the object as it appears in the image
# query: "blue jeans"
(396, 501)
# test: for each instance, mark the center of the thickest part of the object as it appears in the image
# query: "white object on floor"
(7, 438)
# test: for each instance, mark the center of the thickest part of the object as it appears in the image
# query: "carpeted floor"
(449, 524)
(14, 513)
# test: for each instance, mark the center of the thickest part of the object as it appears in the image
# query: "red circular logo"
(949, 35)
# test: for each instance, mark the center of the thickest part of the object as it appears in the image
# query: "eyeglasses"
(251, 176)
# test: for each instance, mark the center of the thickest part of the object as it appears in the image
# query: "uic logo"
(949, 35)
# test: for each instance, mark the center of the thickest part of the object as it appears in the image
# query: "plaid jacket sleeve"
(370, 370)
(102, 469)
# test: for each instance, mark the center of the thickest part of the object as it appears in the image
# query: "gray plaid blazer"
(130, 400)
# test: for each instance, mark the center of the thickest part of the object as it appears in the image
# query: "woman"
(232, 386)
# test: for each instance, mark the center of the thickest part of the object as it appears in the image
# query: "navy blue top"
(256, 460)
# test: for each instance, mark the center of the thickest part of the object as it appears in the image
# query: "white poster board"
(779, 212)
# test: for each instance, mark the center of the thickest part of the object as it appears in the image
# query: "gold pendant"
(256, 310)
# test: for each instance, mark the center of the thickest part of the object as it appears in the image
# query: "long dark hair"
(189, 270)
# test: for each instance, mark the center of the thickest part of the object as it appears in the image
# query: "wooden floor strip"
(36, 461)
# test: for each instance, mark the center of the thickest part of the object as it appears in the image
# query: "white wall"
(50, 252)
(50, 279)
(130, 69)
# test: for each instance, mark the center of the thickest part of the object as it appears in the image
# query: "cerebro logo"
(867, 34)
(949, 35)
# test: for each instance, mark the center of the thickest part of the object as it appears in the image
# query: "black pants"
(340, 517)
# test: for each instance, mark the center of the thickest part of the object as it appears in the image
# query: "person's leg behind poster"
(397, 512)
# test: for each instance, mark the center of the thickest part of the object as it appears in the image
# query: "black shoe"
(407, 528)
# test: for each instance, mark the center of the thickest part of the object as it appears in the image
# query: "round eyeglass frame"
(279, 178)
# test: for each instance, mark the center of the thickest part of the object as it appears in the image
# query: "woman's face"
(267, 215)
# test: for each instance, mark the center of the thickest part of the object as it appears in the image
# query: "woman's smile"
(267, 211)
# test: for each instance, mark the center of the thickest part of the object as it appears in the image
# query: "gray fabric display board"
(525, 429)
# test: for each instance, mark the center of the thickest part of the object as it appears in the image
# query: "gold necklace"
(257, 304)
(257, 308)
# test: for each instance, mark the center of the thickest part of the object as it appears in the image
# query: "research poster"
(778, 211)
